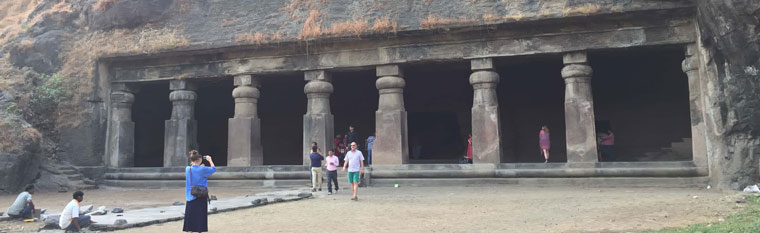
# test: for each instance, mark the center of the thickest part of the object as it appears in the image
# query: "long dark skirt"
(196, 216)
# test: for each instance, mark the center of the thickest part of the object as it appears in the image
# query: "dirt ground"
(442, 209)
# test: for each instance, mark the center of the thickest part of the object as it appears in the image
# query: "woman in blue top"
(196, 215)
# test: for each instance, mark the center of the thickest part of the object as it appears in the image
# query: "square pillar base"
(179, 139)
(244, 143)
(391, 139)
(486, 135)
(317, 128)
(122, 141)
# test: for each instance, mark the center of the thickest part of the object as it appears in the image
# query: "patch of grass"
(747, 221)
(101, 5)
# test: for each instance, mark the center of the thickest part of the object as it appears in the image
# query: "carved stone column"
(318, 121)
(121, 129)
(579, 110)
(181, 130)
(391, 146)
(244, 131)
(486, 128)
(690, 66)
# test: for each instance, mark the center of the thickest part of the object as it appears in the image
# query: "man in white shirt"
(355, 163)
(23, 207)
(70, 219)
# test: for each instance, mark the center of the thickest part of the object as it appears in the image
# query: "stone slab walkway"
(150, 216)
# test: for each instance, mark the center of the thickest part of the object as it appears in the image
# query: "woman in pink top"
(331, 163)
(607, 147)
(544, 142)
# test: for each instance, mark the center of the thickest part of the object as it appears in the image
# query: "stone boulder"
(129, 13)
(40, 53)
(50, 220)
(16, 171)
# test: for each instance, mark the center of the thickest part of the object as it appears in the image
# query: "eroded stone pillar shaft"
(244, 132)
(180, 132)
(486, 135)
(121, 134)
(579, 109)
(690, 66)
(318, 121)
(391, 145)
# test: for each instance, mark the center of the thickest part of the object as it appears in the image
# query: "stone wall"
(729, 53)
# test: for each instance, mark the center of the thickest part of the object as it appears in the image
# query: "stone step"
(162, 184)
(83, 186)
(75, 177)
(610, 182)
(263, 169)
(69, 172)
(89, 181)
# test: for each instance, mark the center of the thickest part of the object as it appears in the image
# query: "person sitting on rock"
(70, 219)
(23, 207)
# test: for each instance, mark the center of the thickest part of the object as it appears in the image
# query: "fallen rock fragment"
(119, 222)
(304, 195)
(117, 210)
(177, 203)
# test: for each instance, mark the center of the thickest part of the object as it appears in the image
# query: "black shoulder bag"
(197, 190)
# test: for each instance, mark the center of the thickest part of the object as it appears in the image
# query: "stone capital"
(389, 70)
(246, 80)
(481, 64)
(318, 87)
(320, 75)
(245, 92)
(182, 95)
(181, 85)
(575, 58)
(580, 71)
(390, 82)
(122, 97)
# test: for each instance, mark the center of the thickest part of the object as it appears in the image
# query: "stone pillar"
(690, 66)
(244, 131)
(391, 145)
(121, 130)
(486, 128)
(318, 121)
(579, 110)
(180, 130)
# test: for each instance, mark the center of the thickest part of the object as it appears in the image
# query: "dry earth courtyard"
(504, 208)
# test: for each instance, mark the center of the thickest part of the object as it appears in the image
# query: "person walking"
(70, 219)
(469, 150)
(316, 169)
(331, 164)
(23, 207)
(355, 162)
(544, 142)
(196, 207)
(370, 144)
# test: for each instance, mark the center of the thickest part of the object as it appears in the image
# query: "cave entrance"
(642, 96)
(353, 103)
(438, 100)
(213, 107)
(149, 111)
(531, 94)
(281, 109)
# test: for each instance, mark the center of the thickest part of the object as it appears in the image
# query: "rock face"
(40, 53)
(17, 171)
(129, 13)
(732, 55)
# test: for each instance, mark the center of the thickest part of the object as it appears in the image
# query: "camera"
(204, 161)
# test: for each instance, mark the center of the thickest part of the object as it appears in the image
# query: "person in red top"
(337, 140)
(607, 145)
(340, 151)
(469, 150)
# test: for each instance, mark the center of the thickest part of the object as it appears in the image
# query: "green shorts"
(353, 177)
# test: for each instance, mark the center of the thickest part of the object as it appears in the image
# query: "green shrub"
(47, 93)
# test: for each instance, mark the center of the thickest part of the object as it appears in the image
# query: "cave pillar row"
(690, 66)
(121, 129)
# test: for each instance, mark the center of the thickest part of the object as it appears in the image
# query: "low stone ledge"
(150, 216)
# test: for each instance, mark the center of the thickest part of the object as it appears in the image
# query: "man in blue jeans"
(23, 207)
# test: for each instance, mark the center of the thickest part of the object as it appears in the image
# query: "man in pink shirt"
(607, 145)
(331, 163)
